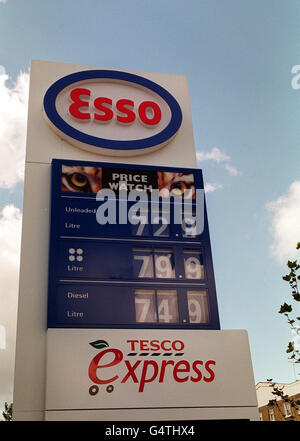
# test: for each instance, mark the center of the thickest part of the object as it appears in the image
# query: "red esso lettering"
(104, 106)
(149, 112)
(154, 110)
(125, 107)
(78, 103)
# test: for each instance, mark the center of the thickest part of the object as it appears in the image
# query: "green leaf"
(297, 297)
(291, 264)
(290, 347)
(99, 344)
(298, 246)
(285, 308)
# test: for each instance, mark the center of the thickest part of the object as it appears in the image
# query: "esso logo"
(112, 112)
(104, 113)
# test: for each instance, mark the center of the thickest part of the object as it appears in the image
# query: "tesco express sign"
(112, 112)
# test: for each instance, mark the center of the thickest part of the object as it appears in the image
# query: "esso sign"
(104, 113)
(112, 112)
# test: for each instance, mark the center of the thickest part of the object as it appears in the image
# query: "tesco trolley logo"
(145, 362)
(112, 112)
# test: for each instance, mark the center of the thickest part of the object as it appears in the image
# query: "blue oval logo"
(104, 144)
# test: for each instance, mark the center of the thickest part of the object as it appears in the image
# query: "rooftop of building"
(264, 390)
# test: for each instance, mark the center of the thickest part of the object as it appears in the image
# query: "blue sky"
(238, 57)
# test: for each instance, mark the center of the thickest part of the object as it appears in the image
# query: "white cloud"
(210, 187)
(232, 170)
(10, 240)
(3, 1)
(13, 119)
(215, 155)
(220, 157)
(285, 224)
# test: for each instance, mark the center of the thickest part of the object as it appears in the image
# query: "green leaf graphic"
(99, 344)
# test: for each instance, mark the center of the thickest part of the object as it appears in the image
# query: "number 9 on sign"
(193, 264)
(198, 306)
(164, 263)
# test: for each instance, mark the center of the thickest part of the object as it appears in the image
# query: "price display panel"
(129, 248)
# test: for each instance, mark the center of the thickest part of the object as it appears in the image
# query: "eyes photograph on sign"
(176, 184)
(91, 179)
(77, 178)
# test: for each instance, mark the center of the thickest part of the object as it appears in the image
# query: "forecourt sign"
(118, 315)
(124, 270)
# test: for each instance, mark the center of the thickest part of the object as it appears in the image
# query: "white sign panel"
(107, 369)
(112, 112)
(108, 112)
